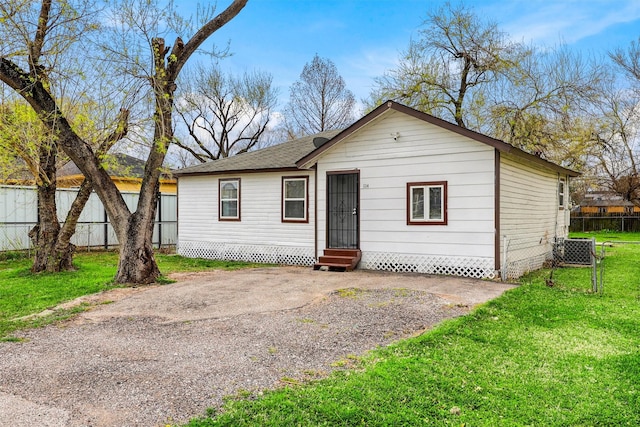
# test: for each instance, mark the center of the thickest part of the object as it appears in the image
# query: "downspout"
(557, 206)
(496, 215)
(315, 212)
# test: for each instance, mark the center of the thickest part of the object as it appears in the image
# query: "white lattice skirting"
(480, 268)
(285, 255)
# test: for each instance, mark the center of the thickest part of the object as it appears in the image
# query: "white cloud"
(548, 23)
(360, 68)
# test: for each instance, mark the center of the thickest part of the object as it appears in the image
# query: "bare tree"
(629, 60)
(619, 139)
(28, 78)
(223, 114)
(618, 134)
(319, 100)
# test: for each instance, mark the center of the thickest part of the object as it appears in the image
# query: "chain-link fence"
(601, 253)
(578, 252)
(601, 223)
(525, 254)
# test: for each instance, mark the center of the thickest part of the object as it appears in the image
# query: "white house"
(404, 190)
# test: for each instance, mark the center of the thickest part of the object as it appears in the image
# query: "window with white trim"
(561, 191)
(229, 199)
(427, 203)
(295, 199)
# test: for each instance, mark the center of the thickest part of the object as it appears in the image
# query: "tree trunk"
(137, 263)
(52, 242)
(49, 255)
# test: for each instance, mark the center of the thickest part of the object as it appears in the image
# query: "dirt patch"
(164, 354)
(104, 297)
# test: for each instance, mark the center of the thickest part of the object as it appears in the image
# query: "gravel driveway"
(164, 354)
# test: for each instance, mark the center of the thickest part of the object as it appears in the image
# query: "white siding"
(423, 153)
(260, 235)
(530, 218)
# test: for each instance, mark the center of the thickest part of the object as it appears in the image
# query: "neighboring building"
(605, 203)
(411, 192)
(125, 171)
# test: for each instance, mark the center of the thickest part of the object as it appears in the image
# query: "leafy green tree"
(546, 104)
(26, 140)
(466, 70)
(445, 71)
(26, 67)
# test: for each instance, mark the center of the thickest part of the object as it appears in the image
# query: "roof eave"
(235, 171)
(501, 146)
(545, 163)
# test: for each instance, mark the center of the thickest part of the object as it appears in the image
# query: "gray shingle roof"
(281, 156)
(117, 165)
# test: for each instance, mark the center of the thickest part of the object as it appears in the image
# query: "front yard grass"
(23, 293)
(538, 355)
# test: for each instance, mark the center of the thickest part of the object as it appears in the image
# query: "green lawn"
(537, 356)
(613, 236)
(23, 293)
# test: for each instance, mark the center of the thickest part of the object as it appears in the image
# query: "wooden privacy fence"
(609, 222)
(19, 213)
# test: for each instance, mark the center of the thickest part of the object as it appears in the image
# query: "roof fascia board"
(236, 171)
(392, 105)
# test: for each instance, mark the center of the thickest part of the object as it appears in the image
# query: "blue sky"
(364, 37)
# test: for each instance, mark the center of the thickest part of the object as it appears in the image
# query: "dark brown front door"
(342, 210)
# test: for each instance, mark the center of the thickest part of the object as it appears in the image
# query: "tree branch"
(183, 52)
(35, 47)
